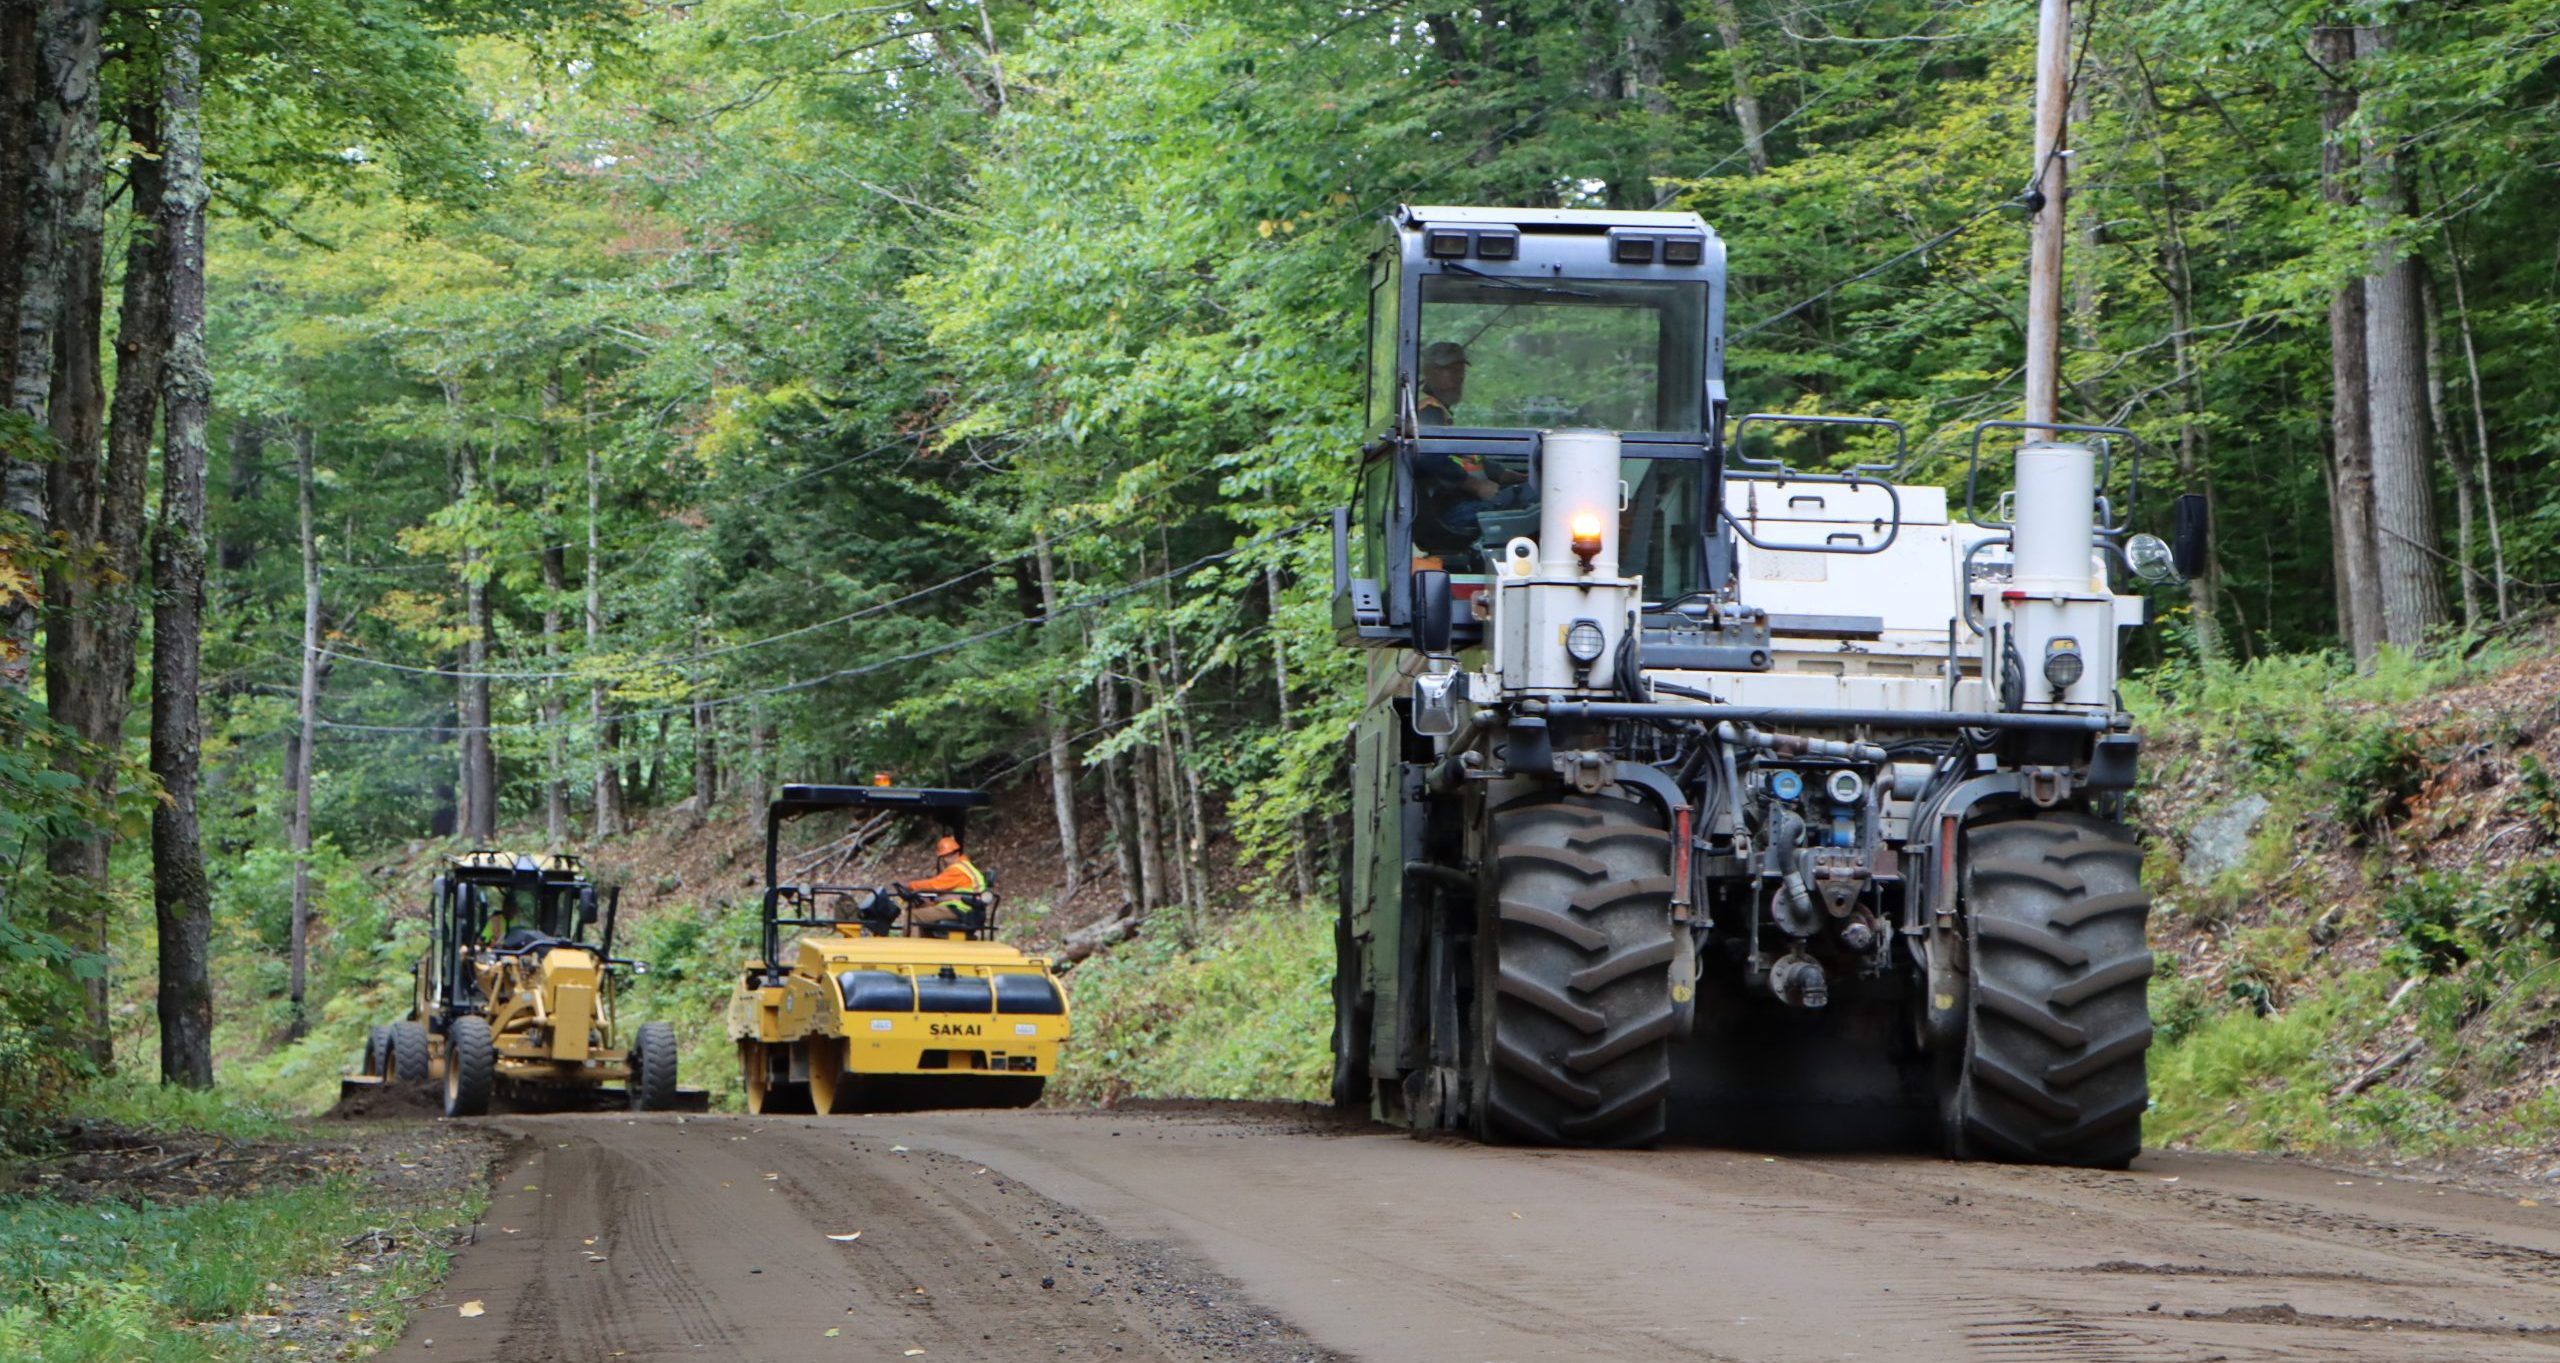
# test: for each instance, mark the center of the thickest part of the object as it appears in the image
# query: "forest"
(428, 417)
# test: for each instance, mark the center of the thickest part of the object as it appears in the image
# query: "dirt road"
(1245, 1235)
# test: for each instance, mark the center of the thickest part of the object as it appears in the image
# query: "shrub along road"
(1244, 1233)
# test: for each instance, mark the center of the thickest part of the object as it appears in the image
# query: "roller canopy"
(798, 800)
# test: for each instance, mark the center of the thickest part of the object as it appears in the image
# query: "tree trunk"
(54, 61)
(759, 781)
(1117, 804)
(2480, 429)
(706, 745)
(180, 894)
(298, 827)
(2203, 591)
(1142, 788)
(1746, 96)
(1301, 872)
(2359, 567)
(479, 752)
(555, 586)
(86, 691)
(608, 774)
(1062, 771)
(2395, 366)
(2445, 452)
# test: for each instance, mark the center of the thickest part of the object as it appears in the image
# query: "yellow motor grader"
(511, 996)
(869, 1006)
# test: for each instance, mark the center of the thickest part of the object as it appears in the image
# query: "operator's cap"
(1443, 355)
(947, 847)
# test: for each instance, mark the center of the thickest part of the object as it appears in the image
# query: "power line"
(850, 673)
(646, 664)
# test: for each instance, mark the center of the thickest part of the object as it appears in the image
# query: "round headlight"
(2063, 664)
(1584, 641)
(2151, 558)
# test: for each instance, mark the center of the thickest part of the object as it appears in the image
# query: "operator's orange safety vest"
(962, 875)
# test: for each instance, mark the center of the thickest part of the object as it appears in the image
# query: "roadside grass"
(1245, 1014)
(109, 1282)
(166, 1109)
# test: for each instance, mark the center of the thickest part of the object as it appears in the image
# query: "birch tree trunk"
(1746, 95)
(2445, 451)
(181, 897)
(2351, 519)
(2395, 366)
(56, 62)
(2480, 430)
(298, 828)
(1062, 772)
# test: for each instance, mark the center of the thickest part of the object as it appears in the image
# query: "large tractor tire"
(470, 1067)
(652, 1085)
(1573, 974)
(2059, 1018)
(407, 1057)
(377, 1050)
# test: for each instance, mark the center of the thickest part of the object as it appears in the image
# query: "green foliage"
(2373, 774)
(162, 1283)
(107, 1280)
(2538, 796)
(2445, 920)
(1245, 1014)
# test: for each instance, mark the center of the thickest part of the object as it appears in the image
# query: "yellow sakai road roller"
(885, 999)
(509, 996)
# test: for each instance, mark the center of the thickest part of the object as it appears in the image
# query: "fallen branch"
(1093, 937)
(2380, 1070)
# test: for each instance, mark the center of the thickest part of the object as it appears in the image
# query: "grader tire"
(377, 1050)
(470, 1067)
(407, 1055)
(652, 1085)
(2059, 1014)
(1573, 971)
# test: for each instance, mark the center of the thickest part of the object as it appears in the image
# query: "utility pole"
(2048, 180)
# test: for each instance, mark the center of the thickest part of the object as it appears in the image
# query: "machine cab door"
(1488, 328)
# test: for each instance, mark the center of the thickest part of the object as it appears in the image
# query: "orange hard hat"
(948, 847)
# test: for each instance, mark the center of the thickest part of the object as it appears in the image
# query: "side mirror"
(587, 907)
(1432, 611)
(2190, 535)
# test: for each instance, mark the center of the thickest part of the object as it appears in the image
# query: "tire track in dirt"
(1260, 1235)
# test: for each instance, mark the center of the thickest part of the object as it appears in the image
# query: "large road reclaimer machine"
(511, 997)
(1711, 778)
(870, 1004)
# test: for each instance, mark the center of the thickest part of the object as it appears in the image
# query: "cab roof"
(490, 860)
(1566, 219)
(799, 799)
